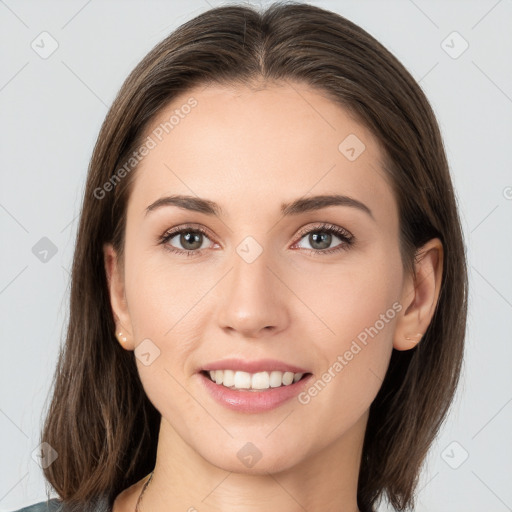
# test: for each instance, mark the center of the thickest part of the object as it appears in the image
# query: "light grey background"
(51, 112)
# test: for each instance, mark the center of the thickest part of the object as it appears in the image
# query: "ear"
(419, 296)
(115, 280)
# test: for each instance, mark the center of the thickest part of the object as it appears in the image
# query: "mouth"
(252, 385)
(236, 380)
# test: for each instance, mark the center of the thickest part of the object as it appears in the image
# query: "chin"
(257, 457)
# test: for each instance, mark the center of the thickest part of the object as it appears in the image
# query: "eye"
(189, 238)
(320, 237)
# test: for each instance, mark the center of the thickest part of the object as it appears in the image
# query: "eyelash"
(347, 239)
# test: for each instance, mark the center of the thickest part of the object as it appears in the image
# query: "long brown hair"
(100, 420)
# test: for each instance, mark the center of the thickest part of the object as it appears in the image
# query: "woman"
(268, 298)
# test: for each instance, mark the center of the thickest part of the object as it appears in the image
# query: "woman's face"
(268, 280)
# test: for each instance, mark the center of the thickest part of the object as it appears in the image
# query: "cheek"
(163, 298)
(354, 296)
(166, 309)
(359, 306)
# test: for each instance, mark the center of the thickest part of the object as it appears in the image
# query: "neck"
(183, 480)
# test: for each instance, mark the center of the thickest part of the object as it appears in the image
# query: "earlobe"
(420, 296)
(123, 340)
(115, 283)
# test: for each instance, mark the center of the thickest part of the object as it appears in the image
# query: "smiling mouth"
(260, 381)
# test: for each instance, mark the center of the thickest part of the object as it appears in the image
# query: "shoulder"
(55, 505)
(52, 505)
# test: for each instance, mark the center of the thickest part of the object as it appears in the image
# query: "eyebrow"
(296, 207)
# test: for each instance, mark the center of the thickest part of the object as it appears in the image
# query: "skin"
(250, 151)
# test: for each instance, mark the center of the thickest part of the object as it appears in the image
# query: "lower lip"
(253, 401)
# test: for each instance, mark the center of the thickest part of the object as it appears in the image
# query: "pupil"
(191, 238)
(324, 239)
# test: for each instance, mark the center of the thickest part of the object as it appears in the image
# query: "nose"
(253, 299)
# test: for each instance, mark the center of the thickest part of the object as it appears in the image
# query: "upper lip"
(255, 366)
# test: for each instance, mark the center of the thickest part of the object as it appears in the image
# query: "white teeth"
(288, 378)
(261, 380)
(276, 379)
(228, 379)
(242, 380)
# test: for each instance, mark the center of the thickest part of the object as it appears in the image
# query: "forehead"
(249, 148)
